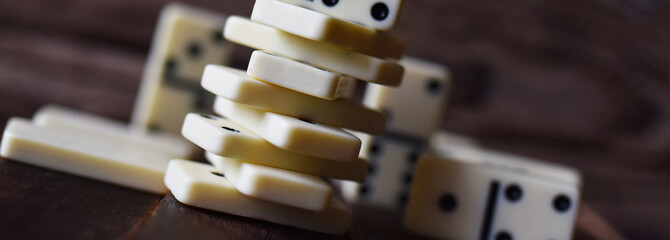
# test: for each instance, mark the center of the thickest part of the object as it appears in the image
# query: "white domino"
(414, 108)
(186, 39)
(234, 85)
(323, 55)
(387, 185)
(291, 133)
(299, 76)
(377, 14)
(530, 166)
(491, 197)
(97, 127)
(104, 160)
(222, 138)
(277, 185)
(324, 28)
(199, 185)
(442, 141)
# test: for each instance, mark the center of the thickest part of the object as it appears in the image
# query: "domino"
(277, 185)
(97, 127)
(186, 39)
(442, 141)
(323, 28)
(390, 176)
(327, 56)
(291, 133)
(377, 14)
(530, 166)
(222, 138)
(298, 76)
(491, 198)
(366, 144)
(107, 161)
(478, 155)
(202, 186)
(234, 85)
(414, 108)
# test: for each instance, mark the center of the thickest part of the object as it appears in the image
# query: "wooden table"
(578, 82)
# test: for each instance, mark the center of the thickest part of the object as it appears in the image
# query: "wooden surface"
(580, 82)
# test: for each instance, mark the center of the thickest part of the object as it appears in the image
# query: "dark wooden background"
(579, 82)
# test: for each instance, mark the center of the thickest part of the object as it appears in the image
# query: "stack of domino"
(283, 120)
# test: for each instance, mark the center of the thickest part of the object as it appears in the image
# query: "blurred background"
(579, 82)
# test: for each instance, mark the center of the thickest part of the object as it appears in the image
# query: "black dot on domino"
(379, 11)
(363, 190)
(375, 149)
(402, 199)
(230, 129)
(513, 193)
(217, 37)
(447, 203)
(408, 178)
(171, 67)
(218, 174)
(433, 86)
(330, 3)
(412, 157)
(562, 203)
(371, 169)
(504, 236)
(194, 50)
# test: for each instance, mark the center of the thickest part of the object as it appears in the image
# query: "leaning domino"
(291, 133)
(186, 39)
(277, 185)
(323, 28)
(103, 160)
(415, 107)
(234, 85)
(222, 138)
(96, 127)
(199, 185)
(377, 14)
(243, 31)
(488, 196)
(442, 141)
(298, 76)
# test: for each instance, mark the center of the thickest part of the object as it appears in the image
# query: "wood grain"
(39, 204)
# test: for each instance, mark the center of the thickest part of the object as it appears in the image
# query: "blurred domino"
(291, 133)
(234, 85)
(491, 196)
(97, 127)
(222, 138)
(243, 31)
(201, 185)
(298, 76)
(388, 183)
(444, 141)
(101, 159)
(377, 14)
(414, 108)
(323, 28)
(277, 185)
(186, 39)
(530, 166)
